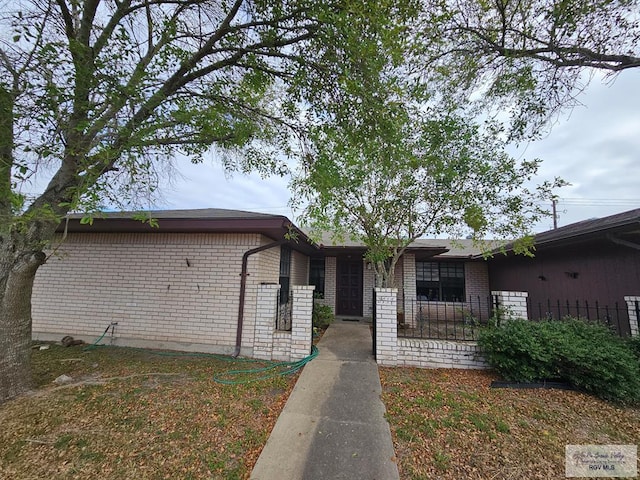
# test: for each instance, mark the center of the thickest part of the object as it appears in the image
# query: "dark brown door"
(349, 286)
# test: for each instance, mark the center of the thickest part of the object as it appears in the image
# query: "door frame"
(354, 259)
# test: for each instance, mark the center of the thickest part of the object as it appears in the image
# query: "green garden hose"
(230, 377)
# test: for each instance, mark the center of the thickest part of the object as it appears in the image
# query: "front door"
(349, 286)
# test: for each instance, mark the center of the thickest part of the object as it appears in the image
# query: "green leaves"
(587, 355)
(524, 61)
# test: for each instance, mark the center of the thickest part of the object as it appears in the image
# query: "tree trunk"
(17, 274)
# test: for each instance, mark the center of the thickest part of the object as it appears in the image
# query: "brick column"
(301, 310)
(633, 314)
(330, 273)
(386, 326)
(513, 304)
(409, 285)
(266, 311)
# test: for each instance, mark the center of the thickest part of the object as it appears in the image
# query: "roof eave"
(275, 228)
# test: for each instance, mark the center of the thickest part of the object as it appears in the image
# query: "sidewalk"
(333, 424)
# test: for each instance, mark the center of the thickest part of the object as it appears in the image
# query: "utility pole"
(555, 213)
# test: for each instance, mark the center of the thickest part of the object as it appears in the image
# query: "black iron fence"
(283, 311)
(373, 328)
(615, 316)
(458, 321)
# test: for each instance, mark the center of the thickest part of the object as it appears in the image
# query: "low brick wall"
(439, 354)
(394, 351)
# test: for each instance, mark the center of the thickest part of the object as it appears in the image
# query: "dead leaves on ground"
(132, 415)
(449, 424)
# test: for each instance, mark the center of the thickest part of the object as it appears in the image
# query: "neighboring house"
(179, 285)
(586, 268)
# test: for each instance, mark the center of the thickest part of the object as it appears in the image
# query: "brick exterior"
(299, 269)
(330, 273)
(476, 285)
(301, 328)
(513, 304)
(634, 321)
(408, 282)
(386, 326)
(368, 282)
(166, 290)
(439, 354)
(392, 351)
(272, 344)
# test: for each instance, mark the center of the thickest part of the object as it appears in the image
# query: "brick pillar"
(301, 310)
(368, 283)
(513, 304)
(266, 311)
(633, 314)
(386, 326)
(330, 278)
(409, 285)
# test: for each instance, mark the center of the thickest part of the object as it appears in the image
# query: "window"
(316, 276)
(285, 273)
(440, 281)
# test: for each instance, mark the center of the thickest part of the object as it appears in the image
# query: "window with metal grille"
(440, 281)
(316, 276)
(285, 273)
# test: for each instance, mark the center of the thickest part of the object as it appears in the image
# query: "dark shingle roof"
(618, 224)
(191, 214)
(620, 221)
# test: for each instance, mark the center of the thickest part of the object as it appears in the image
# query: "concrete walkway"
(333, 424)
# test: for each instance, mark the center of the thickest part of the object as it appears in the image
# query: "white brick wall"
(272, 344)
(301, 334)
(330, 273)
(513, 304)
(164, 289)
(266, 311)
(368, 282)
(392, 351)
(299, 268)
(386, 326)
(439, 354)
(409, 284)
(633, 317)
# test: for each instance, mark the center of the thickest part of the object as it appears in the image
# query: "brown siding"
(606, 272)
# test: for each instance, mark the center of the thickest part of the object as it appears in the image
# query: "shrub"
(634, 344)
(322, 315)
(588, 356)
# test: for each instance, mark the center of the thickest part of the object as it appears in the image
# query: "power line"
(598, 202)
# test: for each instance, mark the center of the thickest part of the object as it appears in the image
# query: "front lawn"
(449, 424)
(130, 414)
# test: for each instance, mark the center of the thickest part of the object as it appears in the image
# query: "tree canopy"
(97, 96)
(529, 58)
(393, 161)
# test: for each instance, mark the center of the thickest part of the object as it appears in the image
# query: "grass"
(449, 424)
(134, 415)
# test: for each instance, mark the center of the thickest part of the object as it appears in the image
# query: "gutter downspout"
(243, 288)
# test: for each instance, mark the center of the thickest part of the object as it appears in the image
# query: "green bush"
(634, 344)
(588, 356)
(322, 315)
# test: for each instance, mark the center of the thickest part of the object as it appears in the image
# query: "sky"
(595, 147)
